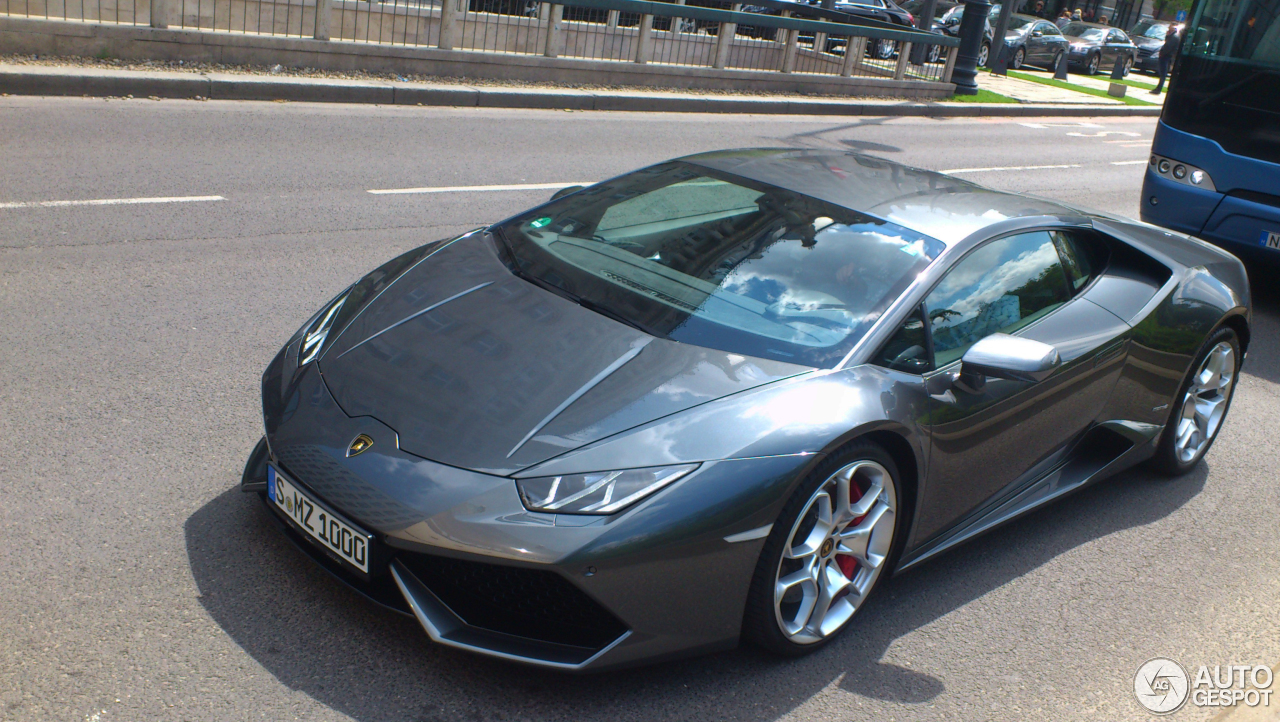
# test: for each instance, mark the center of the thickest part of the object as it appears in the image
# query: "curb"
(248, 87)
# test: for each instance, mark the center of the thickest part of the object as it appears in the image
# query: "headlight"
(601, 492)
(313, 338)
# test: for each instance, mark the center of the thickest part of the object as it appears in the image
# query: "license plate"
(1270, 239)
(345, 540)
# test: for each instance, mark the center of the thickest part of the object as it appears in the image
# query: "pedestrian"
(1103, 19)
(1063, 18)
(1075, 15)
(1168, 53)
(1039, 11)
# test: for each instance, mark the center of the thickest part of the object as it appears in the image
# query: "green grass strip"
(1097, 92)
(983, 96)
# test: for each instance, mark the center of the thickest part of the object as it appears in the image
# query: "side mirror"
(566, 191)
(1037, 33)
(1003, 356)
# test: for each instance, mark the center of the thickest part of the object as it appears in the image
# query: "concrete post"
(644, 44)
(904, 53)
(951, 64)
(162, 13)
(724, 40)
(324, 12)
(612, 21)
(854, 49)
(819, 42)
(555, 39)
(448, 24)
(789, 54)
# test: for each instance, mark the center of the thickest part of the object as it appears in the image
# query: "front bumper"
(658, 580)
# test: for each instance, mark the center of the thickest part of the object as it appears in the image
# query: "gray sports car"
(725, 396)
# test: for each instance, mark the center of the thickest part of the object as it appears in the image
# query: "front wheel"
(984, 54)
(826, 552)
(1057, 58)
(884, 49)
(1018, 58)
(1092, 67)
(1202, 405)
(1128, 66)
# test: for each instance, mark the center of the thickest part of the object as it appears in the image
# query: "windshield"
(1148, 29)
(715, 260)
(1017, 23)
(1085, 32)
(1235, 30)
(956, 14)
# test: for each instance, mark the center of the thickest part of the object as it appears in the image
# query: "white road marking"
(111, 202)
(1010, 167)
(1060, 125)
(1129, 162)
(479, 189)
(1104, 133)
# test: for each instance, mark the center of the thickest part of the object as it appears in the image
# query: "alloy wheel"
(835, 551)
(1205, 402)
(1018, 58)
(1093, 65)
(983, 54)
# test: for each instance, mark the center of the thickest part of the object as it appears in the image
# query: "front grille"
(536, 604)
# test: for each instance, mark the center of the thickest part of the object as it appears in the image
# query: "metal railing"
(786, 38)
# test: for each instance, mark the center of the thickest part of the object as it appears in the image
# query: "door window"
(1074, 259)
(1048, 29)
(1117, 37)
(908, 350)
(999, 288)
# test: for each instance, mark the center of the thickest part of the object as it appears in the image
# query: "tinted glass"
(1242, 30)
(1074, 259)
(1117, 37)
(998, 288)
(1048, 29)
(908, 349)
(719, 261)
(1016, 22)
(1080, 30)
(1148, 29)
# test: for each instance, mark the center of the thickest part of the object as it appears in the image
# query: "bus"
(1214, 170)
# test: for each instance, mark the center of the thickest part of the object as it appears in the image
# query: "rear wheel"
(1202, 405)
(826, 552)
(884, 49)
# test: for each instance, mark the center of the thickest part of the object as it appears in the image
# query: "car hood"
(476, 368)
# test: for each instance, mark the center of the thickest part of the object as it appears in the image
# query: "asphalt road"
(136, 582)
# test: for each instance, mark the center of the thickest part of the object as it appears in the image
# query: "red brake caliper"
(848, 564)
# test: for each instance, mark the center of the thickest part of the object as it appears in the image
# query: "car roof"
(940, 206)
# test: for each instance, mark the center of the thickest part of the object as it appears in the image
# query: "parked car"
(727, 397)
(1095, 46)
(1148, 36)
(1033, 41)
(885, 11)
(949, 23)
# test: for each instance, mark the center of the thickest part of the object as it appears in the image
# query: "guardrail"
(631, 31)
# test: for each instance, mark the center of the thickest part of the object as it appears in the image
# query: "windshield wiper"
(571, 296)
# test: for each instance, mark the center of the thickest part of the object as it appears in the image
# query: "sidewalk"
(1025, 91)
(24, 79)
(1100, 82)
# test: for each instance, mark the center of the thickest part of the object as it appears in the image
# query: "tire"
(934, 55)
(1128, 66)
(1201, 406)
(1091, 68)
(984, 54)
(780, 622)
(884, 49)
(1019, 57)
(1057, 58)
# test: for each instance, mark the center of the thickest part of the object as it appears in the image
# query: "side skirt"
(1104, 450)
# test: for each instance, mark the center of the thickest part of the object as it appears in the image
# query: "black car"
(1148, 36)
(885, 11)
(1095, 46)
(949, 23)
(1032, 41)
